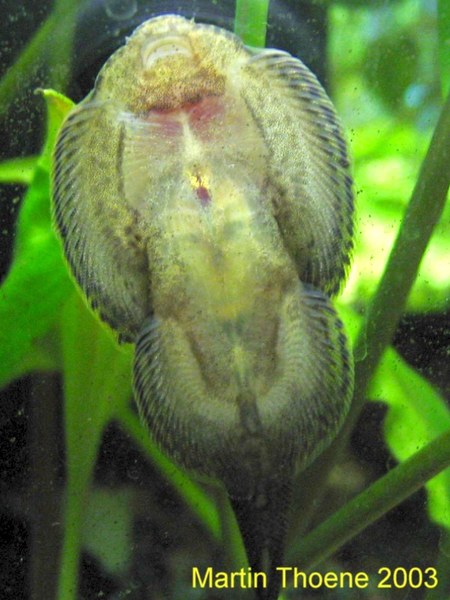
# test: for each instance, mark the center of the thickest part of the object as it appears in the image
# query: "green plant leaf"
(417, 414)
(39, 304)
(26, 65)
(97, 378)
(107, 528)
(18, 170)
(51, 44)
(198, 501)
(444, 43)
(37, 283)
(250, 22)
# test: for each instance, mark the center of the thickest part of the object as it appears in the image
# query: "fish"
(203, 196)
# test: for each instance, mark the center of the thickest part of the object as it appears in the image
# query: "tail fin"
(262, 520)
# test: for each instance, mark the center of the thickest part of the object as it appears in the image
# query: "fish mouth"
(164, 48)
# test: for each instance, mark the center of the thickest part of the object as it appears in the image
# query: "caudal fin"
(262, 520)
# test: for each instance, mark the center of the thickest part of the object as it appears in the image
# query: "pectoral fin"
(190, 424)
(99, 230)
(309, 167)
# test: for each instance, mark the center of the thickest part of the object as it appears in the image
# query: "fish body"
(204, 202)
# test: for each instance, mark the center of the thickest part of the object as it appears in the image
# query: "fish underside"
(202, 195)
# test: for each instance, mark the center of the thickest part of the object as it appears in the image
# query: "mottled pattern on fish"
(203, 196)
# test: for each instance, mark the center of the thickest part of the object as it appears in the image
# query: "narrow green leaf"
(30, 58)
(363, 510)
(18, 170)
(60, 49)
(198, 501)
(96, 381)
(54, 37)
(233, 544)
(444, 43)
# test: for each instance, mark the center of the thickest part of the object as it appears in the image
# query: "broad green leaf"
(444, 43)
(37, 297)
(30, 300)
(18, 170)
(417, 414)
(37, 284)
(97, 390)
(97, 378)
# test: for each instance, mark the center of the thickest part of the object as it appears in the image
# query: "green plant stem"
(24, 66)
(73, 516)
(54, 34)
(250, 22)
(423, 212)
(60, 50)
(18, 170)
(371, 504)
(233, 545)
(444, 45)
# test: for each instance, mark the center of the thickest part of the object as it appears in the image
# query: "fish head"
(169, 62)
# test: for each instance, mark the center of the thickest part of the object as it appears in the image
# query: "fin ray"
(296, 418)
(97, 227)
(313, 198)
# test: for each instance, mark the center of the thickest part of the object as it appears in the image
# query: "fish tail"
(262, 520)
